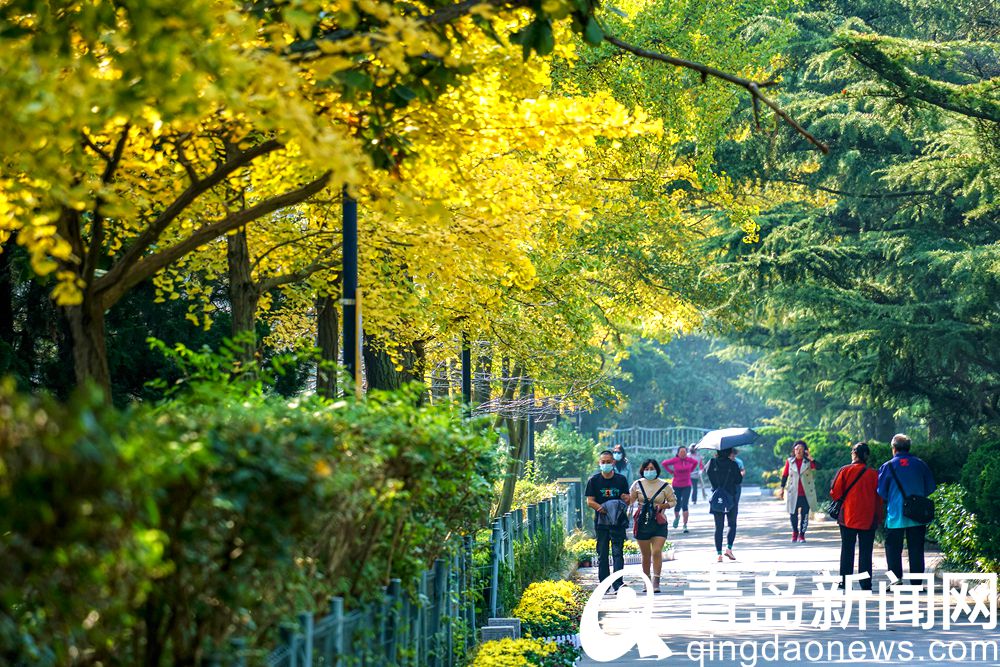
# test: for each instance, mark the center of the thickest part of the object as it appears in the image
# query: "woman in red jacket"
(857, 485)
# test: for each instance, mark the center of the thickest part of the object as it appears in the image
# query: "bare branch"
(750, 86)
(300, 275)
(90, 261)
(152, 233)
(110, 291)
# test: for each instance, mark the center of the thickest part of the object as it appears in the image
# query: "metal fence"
(655, 443)
(435, 623)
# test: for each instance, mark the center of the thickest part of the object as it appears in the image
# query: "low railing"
(435, 623)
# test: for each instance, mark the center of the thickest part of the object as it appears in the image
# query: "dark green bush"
(154, 535)
(981, 479)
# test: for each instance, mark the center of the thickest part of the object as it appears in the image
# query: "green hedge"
(156, 534)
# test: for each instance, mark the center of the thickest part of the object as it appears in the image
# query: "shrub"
(525, 652)
(536, 557)
(561, 451)
(550, 608)
(954, 527)
(154, 535)
(530, 489)
(981, 479)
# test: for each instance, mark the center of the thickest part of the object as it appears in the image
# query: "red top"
(862, 507)
(681, 469)
(798, 466)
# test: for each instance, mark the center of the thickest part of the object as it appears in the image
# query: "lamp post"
(349, 283)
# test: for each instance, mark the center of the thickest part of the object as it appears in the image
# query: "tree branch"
(859, 195)
(91, 259)
(752, 87)
(110, 291)
(152, 233)
(300, 275)
(276, 246)
(944, 95)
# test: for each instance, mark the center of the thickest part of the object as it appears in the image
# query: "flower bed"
(551, 608)
(525, 652)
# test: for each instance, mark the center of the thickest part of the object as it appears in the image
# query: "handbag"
(834, 507)
(722, 501)
(916, 508)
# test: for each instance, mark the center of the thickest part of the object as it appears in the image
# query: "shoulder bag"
(834, 507)
(916, 508)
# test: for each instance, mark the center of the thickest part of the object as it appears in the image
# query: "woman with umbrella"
(726, 480)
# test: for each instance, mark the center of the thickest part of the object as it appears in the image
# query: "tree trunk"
(517, 448)
(244, 296)
(327, 339)
(481, 379)
(7, 293)
(90, 354)
(380, 369)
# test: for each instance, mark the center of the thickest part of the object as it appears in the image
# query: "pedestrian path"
(763, 546)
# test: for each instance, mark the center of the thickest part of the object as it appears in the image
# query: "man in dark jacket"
(916, 479)
(608, 486)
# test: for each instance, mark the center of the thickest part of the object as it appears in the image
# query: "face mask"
(607, 467)
(618, 456)
(649, 474)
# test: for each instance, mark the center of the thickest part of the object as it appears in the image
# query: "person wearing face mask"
(622, 466)
(654, 497)
(607, 492)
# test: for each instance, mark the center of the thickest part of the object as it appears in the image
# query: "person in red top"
(681, 467)
(857, 486)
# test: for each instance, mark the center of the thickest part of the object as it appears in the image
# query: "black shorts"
(648, 533)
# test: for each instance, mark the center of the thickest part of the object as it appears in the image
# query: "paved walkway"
(763, 546)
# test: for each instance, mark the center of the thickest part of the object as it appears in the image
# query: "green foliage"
(536, 557)
(531, 488)
(561, 451)
(550, 608)
(872, 296)
(981, 479)
(525, 653)
(683, 383)
(182, 524)
(955, 528)
(830, 450)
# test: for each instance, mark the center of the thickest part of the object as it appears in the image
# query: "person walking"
(654, 496)
(696, 475)
(856, 487)
(622, 465)
(681, 466)
(904, 475)
(799, 476)
(607, 492)
(726, 480)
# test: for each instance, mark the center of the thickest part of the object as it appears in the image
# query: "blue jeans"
(615, 539)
